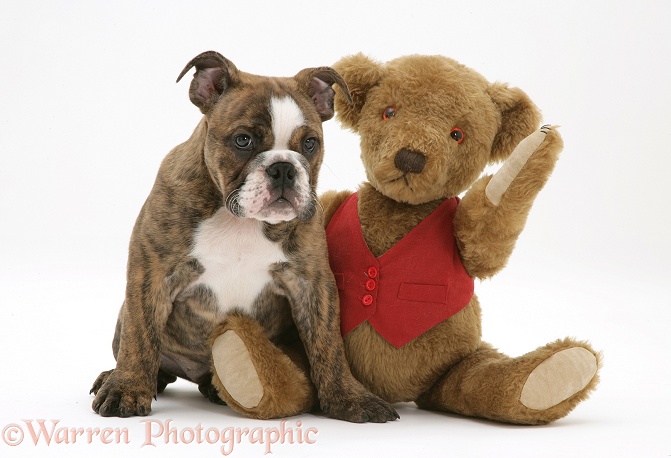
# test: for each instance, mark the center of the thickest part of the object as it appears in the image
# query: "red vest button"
(371, 284)
(367, 300)
(372, 272)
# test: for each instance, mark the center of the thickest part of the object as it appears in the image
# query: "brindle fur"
(164, 324)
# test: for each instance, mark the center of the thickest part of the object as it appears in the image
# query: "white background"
(89, 107)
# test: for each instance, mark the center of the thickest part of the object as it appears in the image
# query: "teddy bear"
(405, 250)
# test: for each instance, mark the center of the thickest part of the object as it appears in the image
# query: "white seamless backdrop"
(89, 107)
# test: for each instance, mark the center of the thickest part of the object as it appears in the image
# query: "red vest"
(417, 284)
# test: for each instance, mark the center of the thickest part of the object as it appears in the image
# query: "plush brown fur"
(449, 368)
(413, 164)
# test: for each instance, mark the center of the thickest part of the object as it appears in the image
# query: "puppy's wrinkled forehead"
(271, 113)
(286, 116)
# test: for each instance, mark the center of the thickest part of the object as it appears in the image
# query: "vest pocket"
(422, 293)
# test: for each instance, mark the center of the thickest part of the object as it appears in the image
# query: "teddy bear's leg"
(255, 377)
(537, 388)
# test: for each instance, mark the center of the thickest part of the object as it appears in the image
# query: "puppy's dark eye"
(309, 145)
(457, 135)
(389, 112)
(244, 141)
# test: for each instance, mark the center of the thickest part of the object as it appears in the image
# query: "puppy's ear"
(519, 118)
(361, 74)
(214, 74)
(317, 83)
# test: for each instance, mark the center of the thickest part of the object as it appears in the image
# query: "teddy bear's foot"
(537, 388)
(558, 378)
(255, 377)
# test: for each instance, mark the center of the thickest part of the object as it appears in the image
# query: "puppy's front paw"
(119, 395)
(99, 381)
(361, 408)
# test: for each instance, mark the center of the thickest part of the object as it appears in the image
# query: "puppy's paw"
(210, 392)
(99, 381)
(119, 395)
(363, 407)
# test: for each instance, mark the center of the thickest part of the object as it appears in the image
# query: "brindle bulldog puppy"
(232, 230)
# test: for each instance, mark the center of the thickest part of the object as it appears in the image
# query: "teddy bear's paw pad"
(510, 170)
(559, 377)
(532, 142)
(236, 370)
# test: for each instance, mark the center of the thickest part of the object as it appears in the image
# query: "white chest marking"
(236, 256)
(287, 117)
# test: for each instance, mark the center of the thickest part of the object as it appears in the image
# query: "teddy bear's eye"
(457, 135)
(389, 112)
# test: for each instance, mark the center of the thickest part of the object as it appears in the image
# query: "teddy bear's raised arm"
(500, 182)
(494, 211)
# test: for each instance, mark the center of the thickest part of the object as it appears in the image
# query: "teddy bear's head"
(428, 125)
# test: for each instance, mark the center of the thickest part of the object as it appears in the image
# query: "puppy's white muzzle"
(277, 189)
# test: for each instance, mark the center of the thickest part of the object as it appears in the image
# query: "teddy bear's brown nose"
(409, 161)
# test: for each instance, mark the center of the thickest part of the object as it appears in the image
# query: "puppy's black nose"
(282, 174)
(409, 161)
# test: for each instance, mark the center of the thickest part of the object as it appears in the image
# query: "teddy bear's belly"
(403, 374)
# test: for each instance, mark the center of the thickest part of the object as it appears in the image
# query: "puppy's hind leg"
(164, 379)
(208, 390)
(255, 377)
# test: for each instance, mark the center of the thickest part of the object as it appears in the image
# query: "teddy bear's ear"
(519, 118)
(360, 73)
